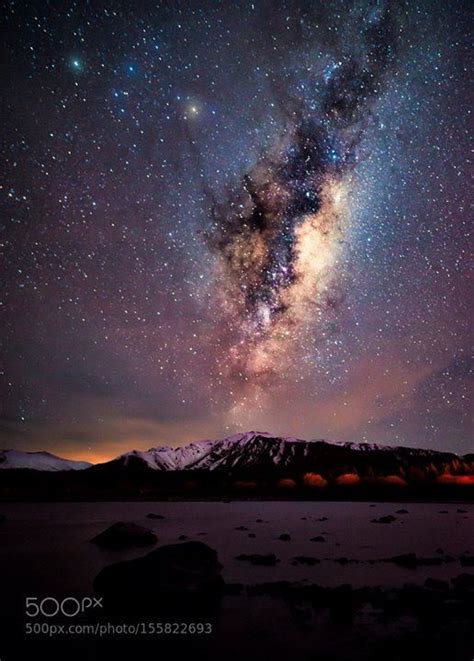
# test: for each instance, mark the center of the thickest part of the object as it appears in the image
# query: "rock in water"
(385, 519)
(177, 579)
(124, 534)
(412, 561)
(152, 515)
(269, 559)
(305, 560)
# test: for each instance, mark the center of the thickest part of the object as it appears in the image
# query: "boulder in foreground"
(174, 579)
(124, 534)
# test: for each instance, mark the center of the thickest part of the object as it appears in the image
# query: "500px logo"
(68, 607)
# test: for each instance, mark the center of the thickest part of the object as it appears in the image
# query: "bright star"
(192, 109)
(76, 64)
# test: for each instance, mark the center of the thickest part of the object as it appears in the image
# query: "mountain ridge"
(263, 452)
(45, 461)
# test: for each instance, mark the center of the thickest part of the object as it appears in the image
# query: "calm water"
(45, 548)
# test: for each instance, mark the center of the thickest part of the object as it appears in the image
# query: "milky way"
(279, 237)
(234, 215)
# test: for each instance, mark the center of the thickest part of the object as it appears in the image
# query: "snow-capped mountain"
(41, 461)
(233, 451)
(165, 458)
(263, 452)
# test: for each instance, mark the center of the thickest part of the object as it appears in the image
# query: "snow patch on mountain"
(41, 461)
(238, 451)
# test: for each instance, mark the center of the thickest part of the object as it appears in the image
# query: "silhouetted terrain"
(256, 466)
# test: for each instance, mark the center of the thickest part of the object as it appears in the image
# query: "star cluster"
(232, 215)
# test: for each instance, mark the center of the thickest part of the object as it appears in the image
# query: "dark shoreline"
(22, 485)
(441, 496)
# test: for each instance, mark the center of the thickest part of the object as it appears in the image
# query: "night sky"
(221, 216)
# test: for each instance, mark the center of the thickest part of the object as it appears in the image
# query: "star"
(76, 64)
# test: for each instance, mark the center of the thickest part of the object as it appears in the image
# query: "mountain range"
(262, 452)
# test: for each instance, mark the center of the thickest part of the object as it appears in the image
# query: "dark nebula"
(255, 231)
